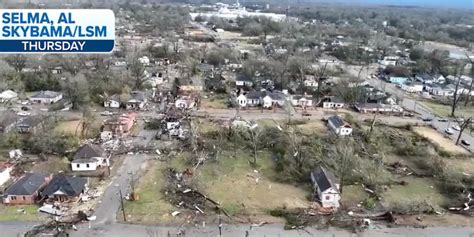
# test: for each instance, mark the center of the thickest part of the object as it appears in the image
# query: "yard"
(252, 192)
(20, 213)
(417, 190)
(214, 102)
(69, 127)
(151, 207)
(445, 110)
(438, 139)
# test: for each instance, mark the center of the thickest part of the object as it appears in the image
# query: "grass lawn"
(416, 191)
(53, 165)
(445, 110)
(151, 207)
(214, 102)
(69, 127)
(250, 192)
(437, 138)
(353, 195)
(16, 213)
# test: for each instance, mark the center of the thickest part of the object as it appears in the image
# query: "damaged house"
(26, 189)
(65, 189)
(89, 157)
(326, 188)
(339, 126)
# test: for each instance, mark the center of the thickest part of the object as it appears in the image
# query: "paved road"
(110, 201)
(411, 104)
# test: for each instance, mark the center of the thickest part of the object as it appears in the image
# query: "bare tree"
(137, 71)
(17, 61)
(468, 96)
(343, 156)
(467, 123)
(456, 95)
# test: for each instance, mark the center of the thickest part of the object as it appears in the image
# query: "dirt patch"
(69, 127)
(440, 140)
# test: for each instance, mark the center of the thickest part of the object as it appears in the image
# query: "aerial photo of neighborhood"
(245, 118)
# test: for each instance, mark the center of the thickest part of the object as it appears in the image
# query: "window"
(24, 198)
(87, 165)
(78, 165)
(327, 198)
(12, 197)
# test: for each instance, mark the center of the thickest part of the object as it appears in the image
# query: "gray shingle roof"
(28, 184)
(45, 94)
(88, 151)
(336, 120)
(324, 179)
(70, 186)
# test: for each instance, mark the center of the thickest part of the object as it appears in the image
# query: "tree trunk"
(463, 127)
(468, 97)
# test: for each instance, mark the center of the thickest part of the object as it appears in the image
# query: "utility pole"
(220, 223)
(123, 208)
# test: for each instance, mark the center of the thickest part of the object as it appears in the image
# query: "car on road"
(443, 120)
(427, 119)
(456, 127)
(449, 131)
(465, 142)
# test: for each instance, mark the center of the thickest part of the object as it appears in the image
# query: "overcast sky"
(464, 4)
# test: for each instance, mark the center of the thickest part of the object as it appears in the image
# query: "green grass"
(418, 190)
(214, 103)
(151, 206)
(12, 213)
(353, 195)
(445, 110)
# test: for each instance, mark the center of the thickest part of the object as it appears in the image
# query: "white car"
(449, 131)
(456, 127)
(23, 113)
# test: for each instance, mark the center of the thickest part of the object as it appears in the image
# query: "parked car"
(449, 131)
(465, 142)
(443, 120)
(427, 119)
(456, 127)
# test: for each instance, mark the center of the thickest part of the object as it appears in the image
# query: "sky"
(463, 4)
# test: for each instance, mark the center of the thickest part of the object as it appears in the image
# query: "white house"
(275, 98)
(389, 61)
(5, 170)
(243, 80)
(302, 100)
(414, 87)
(8, 95)
(326, 187)
(137, 100)
(112, 102)
(334, 103)
(250, 99)
(46, 97)
(89, 157)
(338, 126)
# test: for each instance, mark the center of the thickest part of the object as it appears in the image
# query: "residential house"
(251, 99)
(64, 188)
(326, 188)
(310, 81)
(412, 87)
(144, 60)
(302, 100)
(333, 103)
(378, 108)
(389, 61)
(5, 170)
(339, 126)
(274, 98)
(8, 95)
(121, 125)
(30, 124)
(8, 121)
(46, 97)
(112, 102)
(243, 81)
(424, 78)
(439, 79)
(26, 189)
(137, 100)
(398, 80)
(89, 157)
